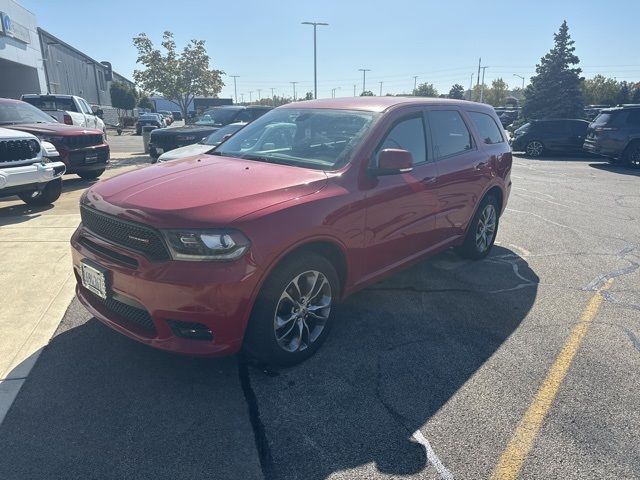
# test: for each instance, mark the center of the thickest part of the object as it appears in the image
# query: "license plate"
(91, 158)
(93, 279)
(159, 151)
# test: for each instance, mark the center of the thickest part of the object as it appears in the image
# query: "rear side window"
(602, 119)
(408, 135)
(449, 132)
(634, 117)
(52, 103)
(487, 128)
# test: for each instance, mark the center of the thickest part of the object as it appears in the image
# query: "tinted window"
(487, 128)
(602, 119)
(53, 103)
(218, 116)
(244, 116)
(408, 135)
(450, 134)
(634, 117)
(216, 137)
(20, 112)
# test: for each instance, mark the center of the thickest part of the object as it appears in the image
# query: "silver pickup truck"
(28, 168)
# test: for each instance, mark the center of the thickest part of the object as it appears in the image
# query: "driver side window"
(408, 134)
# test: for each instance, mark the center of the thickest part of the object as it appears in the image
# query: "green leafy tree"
(497, 94)
(624, 93)
(457, 92)
(367, 93)
(123, 98)
(634, 95)
(145, 102)
(307, 96)
(425, 90)
(555, 89)
(600, 90)
(178, 77)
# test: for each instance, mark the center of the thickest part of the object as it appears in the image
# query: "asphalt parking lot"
(425, 375)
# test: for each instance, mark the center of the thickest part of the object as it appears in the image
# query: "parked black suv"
(615, 134)
(163, 140)
(538, 137)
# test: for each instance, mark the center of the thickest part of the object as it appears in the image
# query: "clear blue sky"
(264, 42)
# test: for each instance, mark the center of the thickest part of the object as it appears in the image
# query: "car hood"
(7, 134)
(199, 192)
(198, 131)
(184, 152)
(54, 129)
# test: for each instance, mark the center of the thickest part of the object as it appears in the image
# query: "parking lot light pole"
(273, 96)
(259, 96)
(315, 56)
(364, 77)
(380, 88)
(235, 89)
(354, 89)
(333, 92)
(415, 82)
(250, 93)
(520, 76)
(294, 90)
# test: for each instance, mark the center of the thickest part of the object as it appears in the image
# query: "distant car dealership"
(33, 60)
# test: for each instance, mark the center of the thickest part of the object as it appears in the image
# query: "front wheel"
(632, 155)
(482, 230)
(49, 194)
(91, 174)
(292, 315)
(534, 148)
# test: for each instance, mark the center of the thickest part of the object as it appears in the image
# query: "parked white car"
(205, 145)
(28, 168)
(67, 109)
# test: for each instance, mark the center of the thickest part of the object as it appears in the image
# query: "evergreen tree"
(555, 91)
(457, 92)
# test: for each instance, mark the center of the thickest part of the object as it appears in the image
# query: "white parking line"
(431, 456)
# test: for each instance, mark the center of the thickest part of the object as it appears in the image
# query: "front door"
(400, 208)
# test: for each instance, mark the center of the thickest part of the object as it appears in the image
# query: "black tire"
(91, 174)
(49, 194)
(631, 157)
(261, 340)
(534, 148)
(471, 248)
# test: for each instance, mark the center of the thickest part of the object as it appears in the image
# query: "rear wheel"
(292, 315)
(91, 174)
(534, 148)
(632, 155)
(49, 194)
(482, 230)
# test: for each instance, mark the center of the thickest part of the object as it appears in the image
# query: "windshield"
(217, 116)
(313, 138)
(52, 103)
(20, 112)
(216, 137)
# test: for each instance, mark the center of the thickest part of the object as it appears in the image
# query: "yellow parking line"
(521, 442)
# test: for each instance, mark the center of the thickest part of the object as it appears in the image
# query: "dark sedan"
(149, 119)
(539, 137)
(211, 120)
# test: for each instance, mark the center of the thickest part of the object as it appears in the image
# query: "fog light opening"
(193, 331)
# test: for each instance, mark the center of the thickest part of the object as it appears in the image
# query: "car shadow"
(18, 213)
(98, 402)
(560, 157)
(621, 169)
(398, 352)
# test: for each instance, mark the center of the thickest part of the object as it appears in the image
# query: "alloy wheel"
(486, 227)
(634, 157)
(302, 311)
(534, 148)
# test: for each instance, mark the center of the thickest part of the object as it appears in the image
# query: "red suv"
(253, 244)
(83, 150)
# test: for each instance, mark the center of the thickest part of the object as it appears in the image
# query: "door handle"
(428, 180)
(480, 165)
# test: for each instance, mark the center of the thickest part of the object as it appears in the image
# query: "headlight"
(34, 147)
(202, 245)
(51, 138)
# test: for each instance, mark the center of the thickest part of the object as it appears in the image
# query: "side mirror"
(393, 161)
(226, 137)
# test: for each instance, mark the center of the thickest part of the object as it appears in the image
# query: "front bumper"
(216, 295)
(30, 175)
(85, 159)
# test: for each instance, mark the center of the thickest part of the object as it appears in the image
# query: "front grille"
(131, 235)
(82, 141)
(108, 253)
(15, 150)
(133, 315)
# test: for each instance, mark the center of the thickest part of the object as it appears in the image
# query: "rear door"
(400, 218)
(578, 133)
(462, 171)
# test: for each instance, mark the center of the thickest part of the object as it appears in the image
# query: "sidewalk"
(36, 276)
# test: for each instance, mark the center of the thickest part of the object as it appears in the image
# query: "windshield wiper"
(260, 158)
